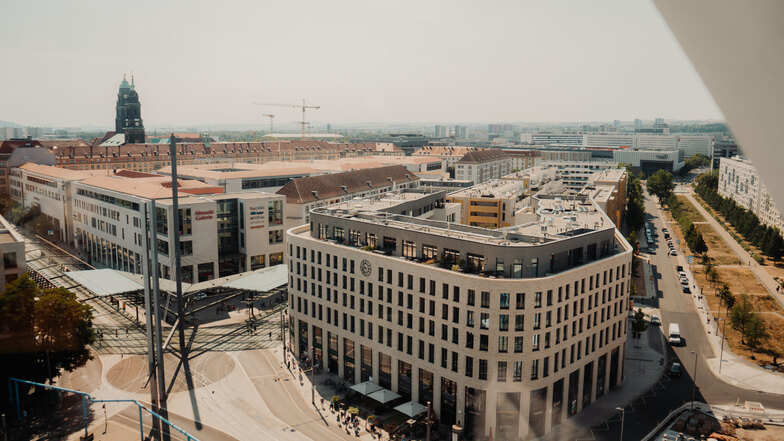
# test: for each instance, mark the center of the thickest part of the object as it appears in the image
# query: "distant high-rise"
(442, 131)
(129, 113)
(637, 123)
(461, 132)
(658, 121)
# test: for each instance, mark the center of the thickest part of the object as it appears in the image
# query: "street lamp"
(313, 375)
(723, 337)
(623, 413)
(694, 381)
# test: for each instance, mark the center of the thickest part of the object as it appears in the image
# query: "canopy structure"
(384, 396)
(412, 408)
(105, 282)
(366, 388)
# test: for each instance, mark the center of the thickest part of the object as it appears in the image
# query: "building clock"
(364, 266)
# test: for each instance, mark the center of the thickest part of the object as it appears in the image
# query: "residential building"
(740, 181)
(441, 132)
(575, 174)
(549, 138)
(16, 152)
(12, 248)
(305, 194)
(483, 165)
(242, 176)
(461, 132)
(448, 185)
(523, 159)
(449, 153)
(607, 188)
(615, 140)
(490, 204)
(509, 331)
(151, 157)
(694, 144)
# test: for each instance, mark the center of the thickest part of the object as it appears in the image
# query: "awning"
(412, 408)
(262, 280)
(366, 388)
(384, 396)
(104, 282)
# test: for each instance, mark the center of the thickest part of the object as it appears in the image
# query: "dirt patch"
(718, 250)
(689, 210)
(742, 281)
(770, 433)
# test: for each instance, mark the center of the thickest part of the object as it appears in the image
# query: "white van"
(675, 334)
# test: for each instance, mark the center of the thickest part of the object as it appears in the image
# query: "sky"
(395, 61)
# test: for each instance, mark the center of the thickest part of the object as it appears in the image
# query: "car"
(664, 230)
(655, 321)
(679, 268)
(651, 250)
(676, 370)
(673, 253)
(686, 290)
(200, 296)
(681, 274)
(684, 281)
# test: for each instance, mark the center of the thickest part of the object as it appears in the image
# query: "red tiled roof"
(300, 191)
(483, 156)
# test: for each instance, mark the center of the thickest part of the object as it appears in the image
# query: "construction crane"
(303, 107)
(271, 117)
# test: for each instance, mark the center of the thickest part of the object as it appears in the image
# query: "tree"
(698, 244)
(660, 184)
(709, 180)
(638, 323)
(756, 331)
(713, 275)
(726, 297)
(741, 314)
(41, 323)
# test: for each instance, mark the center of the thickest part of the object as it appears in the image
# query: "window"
(409, 249)
(501, 371)
(469, 340)
(519, 322)
(503, 322)
(518, 344)
(534, 369)
(471, 297)
(469, 370)
(163, 247)
(276, 258)
(429, 251)
(275, 212)
(485, 299)
(538, 299)
(484, 321)
(257, 262)
(483, 342)
(9, 260)
(517, 371)
(483, 369)
(504, 300)
(535, 342)
(503, 344)
(276, 236)
(186, 248)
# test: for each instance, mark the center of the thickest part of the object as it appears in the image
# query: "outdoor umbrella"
(366, 388)
(384, 396)
(412, 408)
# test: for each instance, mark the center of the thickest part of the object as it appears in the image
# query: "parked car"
(676, 370)
(681, 273)
(200, 296)
(686, 290)
(684, 281)
(655, 321)
(664, 230)
(679, 268)
(672, 252)
(651, 250)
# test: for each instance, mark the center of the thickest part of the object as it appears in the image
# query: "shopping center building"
(506, 331)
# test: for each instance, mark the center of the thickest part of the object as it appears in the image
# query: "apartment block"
(506, 331)
(490, 204)
(484, 165)
(607, 189)
(12, 248)
(740, 181)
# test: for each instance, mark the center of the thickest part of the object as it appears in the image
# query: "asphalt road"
(644, 414)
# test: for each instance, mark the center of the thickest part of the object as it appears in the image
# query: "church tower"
(129, 113)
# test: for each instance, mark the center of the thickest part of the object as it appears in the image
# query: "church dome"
(124, 84)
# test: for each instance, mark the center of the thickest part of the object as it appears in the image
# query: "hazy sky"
(200, 62)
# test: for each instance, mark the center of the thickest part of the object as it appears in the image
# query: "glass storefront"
(587, 384)
(601, 371)
(425, 387)
(507, 415)
(385, 371)
(332, 352)
(557, 402)
(475, 402)
(348, 360)
(448, 401)
(404, 379)
(536, 413)
(366, 366)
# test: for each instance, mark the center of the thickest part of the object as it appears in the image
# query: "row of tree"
(743, 315)
(767, 238)
(693, 237)
(635, 208)
(692, 162)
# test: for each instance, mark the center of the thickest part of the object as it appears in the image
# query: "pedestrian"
(116, 334)
(126, 331)
(337, 418)
(270, 335)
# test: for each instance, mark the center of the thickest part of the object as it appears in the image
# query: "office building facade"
(509, 332)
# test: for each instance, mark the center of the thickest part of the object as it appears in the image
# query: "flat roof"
(150, 187)
(496, 188)
(559, 217)
(60, 173)
(239, 170)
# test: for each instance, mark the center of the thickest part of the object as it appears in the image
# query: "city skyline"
(373, 62)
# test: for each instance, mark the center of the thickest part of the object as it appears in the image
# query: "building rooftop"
(496, 188)
(558, 218)
(242, 170)
(607, 175)
(150, 187)
(189, 198)
(381, 202)
(445, 151)
(309, 189)
(8, 233)
(481, 156)
(60, 173)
